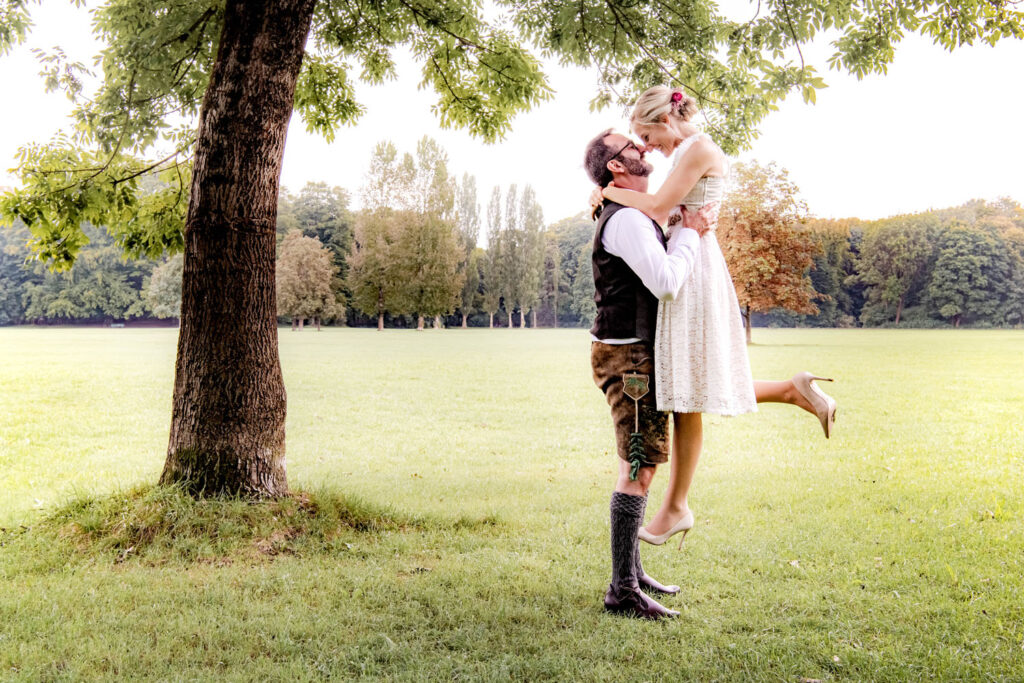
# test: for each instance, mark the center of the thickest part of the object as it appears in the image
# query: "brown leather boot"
(632, 602)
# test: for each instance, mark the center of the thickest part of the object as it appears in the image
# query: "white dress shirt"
(630, 235)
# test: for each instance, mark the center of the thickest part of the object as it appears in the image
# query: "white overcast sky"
(939, 129)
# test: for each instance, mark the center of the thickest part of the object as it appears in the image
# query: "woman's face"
(657, 136)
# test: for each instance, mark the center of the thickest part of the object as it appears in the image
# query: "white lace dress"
(700, 348)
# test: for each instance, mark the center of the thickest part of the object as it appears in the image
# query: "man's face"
(629, 155)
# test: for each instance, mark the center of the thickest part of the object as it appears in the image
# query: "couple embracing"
(668, 340)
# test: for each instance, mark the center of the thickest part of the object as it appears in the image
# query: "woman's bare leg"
(687, 443)
(780, 392)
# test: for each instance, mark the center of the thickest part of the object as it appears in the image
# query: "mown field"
(454, 519)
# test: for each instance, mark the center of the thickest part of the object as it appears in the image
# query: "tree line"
(412, 254)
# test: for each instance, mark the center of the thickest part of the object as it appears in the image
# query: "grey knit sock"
(627, 514)
(637, 566)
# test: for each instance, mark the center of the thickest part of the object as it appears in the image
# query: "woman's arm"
(691, 168)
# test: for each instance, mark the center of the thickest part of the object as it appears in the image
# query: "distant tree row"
(948, 267)
(412, 254)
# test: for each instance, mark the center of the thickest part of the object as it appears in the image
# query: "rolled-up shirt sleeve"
(630, 235)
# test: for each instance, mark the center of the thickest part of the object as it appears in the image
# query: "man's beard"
(637, 167)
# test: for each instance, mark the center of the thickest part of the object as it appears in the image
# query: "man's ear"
(615, 166)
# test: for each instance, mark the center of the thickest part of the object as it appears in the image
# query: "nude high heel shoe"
(683, 525)
(823, 404)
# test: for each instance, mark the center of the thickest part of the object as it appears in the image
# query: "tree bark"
(380, 322)
(380, 309)
(899, 310)
(533, 318)
(437, 322)
(490, 322)
(228, 416)
(302, 324)
(419, 323)
(510, 320)
(464, 319)
(748, 324)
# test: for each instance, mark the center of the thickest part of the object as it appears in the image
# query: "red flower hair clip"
(676, 96)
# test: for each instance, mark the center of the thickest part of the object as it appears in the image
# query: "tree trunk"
(437, 322)
(533, 318)
(464, 319)
(295, 323)
(510, 320)
(316, 321)
(747, 323)
(522, 318)
(899, 310)
(490, 322)
(302, 323)
(380, 309)
(228, 415)
(419, 323)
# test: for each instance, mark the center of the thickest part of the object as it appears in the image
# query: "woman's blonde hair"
(660, 100)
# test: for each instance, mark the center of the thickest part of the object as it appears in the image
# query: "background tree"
(582, 304)
(374, 278)
(769, 256)
(163, 292)
(430, 254)
(571, 235)
(971, 275)
(893, 257)
(531, 254)
(427, 257)
(467, 221)
(511, 264)
(14, 273)
(102, 287)
(471, 297)
(239, 69)
(305, 275)
(323, 212)
(553, 278)
(491, 267)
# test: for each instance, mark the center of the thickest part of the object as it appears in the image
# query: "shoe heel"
(682, 537)
(823, 379)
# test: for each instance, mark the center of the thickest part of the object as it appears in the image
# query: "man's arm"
(630, 235)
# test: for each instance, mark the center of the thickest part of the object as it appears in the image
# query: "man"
(632, 272)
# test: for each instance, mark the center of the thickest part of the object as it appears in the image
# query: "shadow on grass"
(162, 525)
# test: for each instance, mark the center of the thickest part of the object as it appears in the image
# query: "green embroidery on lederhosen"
(636, 386)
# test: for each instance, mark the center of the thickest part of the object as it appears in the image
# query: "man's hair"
(595, 161)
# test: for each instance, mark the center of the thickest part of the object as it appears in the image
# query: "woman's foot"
(812, 399)
(681, 525)
(652, 585)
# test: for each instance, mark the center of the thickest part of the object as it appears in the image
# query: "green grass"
(456, 522)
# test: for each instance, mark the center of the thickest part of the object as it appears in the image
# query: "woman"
(701, 360)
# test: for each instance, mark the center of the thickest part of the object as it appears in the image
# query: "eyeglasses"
(624, 148)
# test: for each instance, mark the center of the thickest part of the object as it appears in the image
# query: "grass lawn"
(457, 518)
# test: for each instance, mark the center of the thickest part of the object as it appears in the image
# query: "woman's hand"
(596, 198)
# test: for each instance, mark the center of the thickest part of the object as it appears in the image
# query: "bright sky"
(939, 129)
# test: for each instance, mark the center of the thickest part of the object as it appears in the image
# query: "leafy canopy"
(484, 69)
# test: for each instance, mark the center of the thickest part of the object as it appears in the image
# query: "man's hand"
(701, 220)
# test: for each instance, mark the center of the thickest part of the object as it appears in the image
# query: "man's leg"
(610, 363)
(647, 582)
(627, 510)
